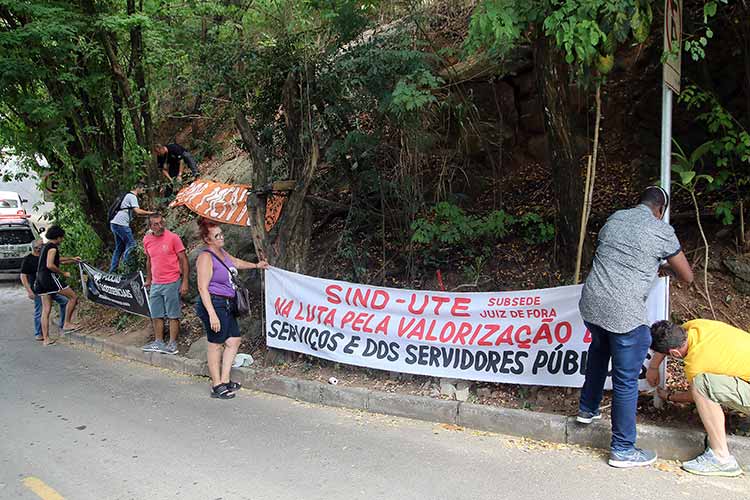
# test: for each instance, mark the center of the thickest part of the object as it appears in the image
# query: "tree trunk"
(287, 244)
(119, 131)
(136, 54)
(563, 157)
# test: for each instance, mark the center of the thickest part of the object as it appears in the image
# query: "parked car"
(11, 205)
(16, 237)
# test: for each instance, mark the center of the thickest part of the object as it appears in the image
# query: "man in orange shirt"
(717, 365)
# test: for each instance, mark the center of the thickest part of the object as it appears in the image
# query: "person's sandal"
(221, 391)
(234, 386)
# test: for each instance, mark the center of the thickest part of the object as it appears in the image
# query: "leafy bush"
(729, 145)
(80, 238)
(535, 230)
(450, 226)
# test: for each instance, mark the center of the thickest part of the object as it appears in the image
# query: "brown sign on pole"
(672, 43)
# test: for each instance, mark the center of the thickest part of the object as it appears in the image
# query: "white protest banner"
(523, 337)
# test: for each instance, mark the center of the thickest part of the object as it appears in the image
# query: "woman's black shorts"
(229, 325)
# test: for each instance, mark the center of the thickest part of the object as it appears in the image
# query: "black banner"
(123, 292)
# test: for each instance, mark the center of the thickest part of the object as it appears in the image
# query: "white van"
(16, 237)
(11, 205)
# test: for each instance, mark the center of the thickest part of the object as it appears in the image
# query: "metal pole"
(666, 143)
(666, 183)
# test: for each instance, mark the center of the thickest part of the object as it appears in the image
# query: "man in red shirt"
(167, 277)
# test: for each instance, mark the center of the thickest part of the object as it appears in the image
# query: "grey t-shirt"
(124, 216)
(631, 245)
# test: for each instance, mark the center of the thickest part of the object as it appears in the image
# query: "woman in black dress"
(50, 279)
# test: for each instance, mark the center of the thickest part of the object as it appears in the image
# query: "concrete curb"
(669, 443)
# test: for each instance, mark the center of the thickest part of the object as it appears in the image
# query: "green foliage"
(724, 210)
(414, 92)
(587, 32)
(729, 145)
(687, 166)
(62, 109)
(80, 238)
(449, 226)
(535, 229)
(473, 271)
(695, 43)
(136, 261)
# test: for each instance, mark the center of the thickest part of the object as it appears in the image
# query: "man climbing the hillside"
(121, 216)
(631, 246)
(171, 158)
(167, 279)
(717, 365)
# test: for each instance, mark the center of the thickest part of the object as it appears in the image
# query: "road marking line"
(41, 489)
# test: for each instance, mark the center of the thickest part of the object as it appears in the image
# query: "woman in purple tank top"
(216, 287)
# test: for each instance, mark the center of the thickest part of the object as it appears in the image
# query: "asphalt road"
(82, 425)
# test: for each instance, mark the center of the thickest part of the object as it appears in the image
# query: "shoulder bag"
(241, 300)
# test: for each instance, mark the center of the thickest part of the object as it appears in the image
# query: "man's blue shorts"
(165, 300)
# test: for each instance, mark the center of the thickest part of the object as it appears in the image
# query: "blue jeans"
(627, 351)
(124, 244)
(62, 300)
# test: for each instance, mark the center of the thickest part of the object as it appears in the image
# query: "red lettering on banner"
(525, 343)
(299, 316)
(283, 306)
(464, 329)
(491, 330)
(331, 295)
(460, 305)
(560, 337)
(587, 337)
(348, 317)
(439, 301)
(379, 294)
(505, 336)
(428, 335)
(328, 320)
(514, 301)
(403, 328)
(418, 330)
(383, 326)
(357, 297)
(450, 326)
(412, 309)
(362, 321)
(544, 333)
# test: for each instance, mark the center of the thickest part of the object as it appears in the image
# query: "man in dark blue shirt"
(171, 157)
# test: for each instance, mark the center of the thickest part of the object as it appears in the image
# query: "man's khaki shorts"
(731, 392)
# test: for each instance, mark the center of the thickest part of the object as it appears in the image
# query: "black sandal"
(221, 391)
(234, 386)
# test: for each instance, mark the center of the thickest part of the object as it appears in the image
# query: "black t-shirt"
(172, 158)
(29, 266)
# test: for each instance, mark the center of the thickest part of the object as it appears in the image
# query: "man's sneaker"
(586, 417)
(155, 346)
(631, 458)
(708, 464)
(170, 348)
